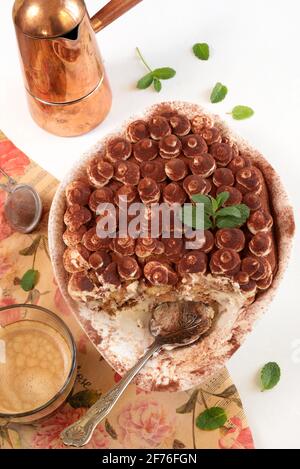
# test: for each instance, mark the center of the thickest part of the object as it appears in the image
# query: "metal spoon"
(188, 321)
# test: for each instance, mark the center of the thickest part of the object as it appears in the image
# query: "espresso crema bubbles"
(35, 361)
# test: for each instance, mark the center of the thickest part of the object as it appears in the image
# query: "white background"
(255, 52)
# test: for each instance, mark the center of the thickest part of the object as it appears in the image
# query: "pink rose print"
(12, 160)
(60, 303)
(118, 378)
(82, 343)
(11, 315)
(5, 266)
(237, 437)
(5, 228)
(141, 391)
(144, 424)
(48, 433)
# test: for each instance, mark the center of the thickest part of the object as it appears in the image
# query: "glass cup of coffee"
(37, 363)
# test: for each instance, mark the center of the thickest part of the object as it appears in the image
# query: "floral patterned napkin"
(140, 419)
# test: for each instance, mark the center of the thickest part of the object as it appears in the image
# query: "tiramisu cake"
(169, 156)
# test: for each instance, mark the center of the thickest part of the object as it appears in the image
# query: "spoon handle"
(11, 181)
(79, 433)
(5, 188)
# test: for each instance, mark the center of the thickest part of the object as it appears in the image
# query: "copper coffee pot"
(66, 85)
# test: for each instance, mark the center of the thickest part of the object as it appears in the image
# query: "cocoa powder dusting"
(21, 209)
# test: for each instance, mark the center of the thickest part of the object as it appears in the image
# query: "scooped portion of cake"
(168, 158)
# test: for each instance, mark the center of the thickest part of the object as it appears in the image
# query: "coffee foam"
(35, 364)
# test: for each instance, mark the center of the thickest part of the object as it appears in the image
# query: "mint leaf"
(270, 375)
(207, 223)
(189, 217)
(200, 198)
(205, 200)
(241, 112)
(29, 280)
(154, 76)
(157, 84)
(226, 217)
(164, 73)
(232, 211)
(229, 222)
(201, 50)
(244, 210)
(233, 216)
(145, 82)
(218, 93)
(211, 419)
(222, 198)
(214, 205)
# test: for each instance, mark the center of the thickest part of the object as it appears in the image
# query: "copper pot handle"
(110, 12)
